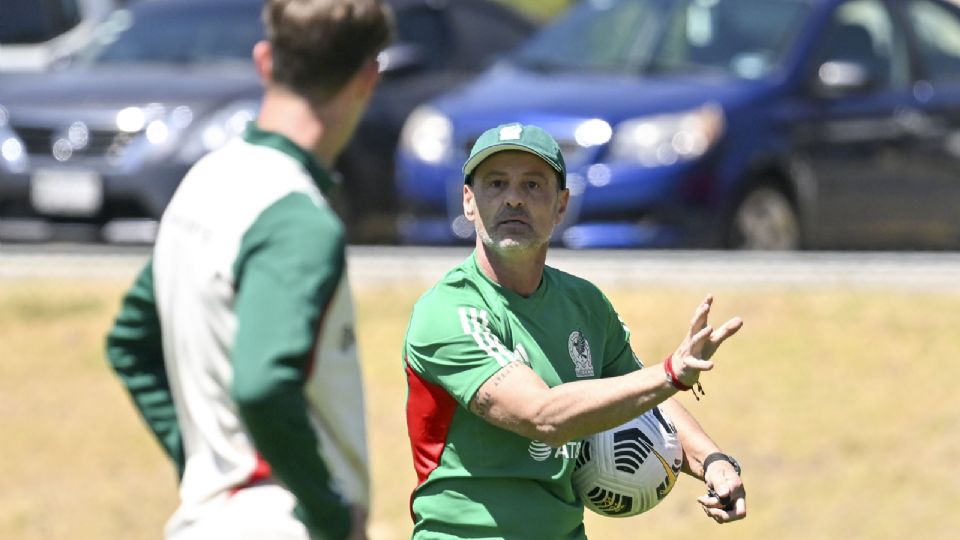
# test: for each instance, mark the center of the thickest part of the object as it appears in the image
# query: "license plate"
(66, 192)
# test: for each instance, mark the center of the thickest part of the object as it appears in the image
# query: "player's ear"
(564, 199)
(469, 202)
(263, 60)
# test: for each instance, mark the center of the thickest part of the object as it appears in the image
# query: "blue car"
(757, 124)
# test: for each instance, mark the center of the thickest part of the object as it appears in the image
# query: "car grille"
(39, 140)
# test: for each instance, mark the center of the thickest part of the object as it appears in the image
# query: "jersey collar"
(260, 137)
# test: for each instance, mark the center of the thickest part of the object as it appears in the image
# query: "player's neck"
(517, 270)
(293, 117)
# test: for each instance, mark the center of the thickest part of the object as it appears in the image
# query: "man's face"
(513, 201)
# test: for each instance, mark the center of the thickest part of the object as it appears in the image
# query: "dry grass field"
(841, 405)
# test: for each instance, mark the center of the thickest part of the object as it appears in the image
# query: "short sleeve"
(620, 359)
(455, 347)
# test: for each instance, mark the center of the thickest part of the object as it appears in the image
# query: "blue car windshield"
(200, 35)
(744, 38)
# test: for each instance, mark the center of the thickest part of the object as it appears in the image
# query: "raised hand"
(693, 354)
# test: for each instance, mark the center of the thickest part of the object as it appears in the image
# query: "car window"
(427, 28)
(36, 21)
(596, 35)
(862, 32)
(484, 31)
(669, 36)
(937, 30)
(177, 36)
(715, 34)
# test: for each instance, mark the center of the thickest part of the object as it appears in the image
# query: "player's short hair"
(319, 45)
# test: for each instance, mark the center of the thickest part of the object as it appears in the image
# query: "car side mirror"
(837, 78)
(400, 58)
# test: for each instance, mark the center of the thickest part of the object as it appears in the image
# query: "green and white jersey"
(246, 309)
(476, 480)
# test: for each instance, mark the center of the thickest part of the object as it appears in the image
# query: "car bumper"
(125, 207)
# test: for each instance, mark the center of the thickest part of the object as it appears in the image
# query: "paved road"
(398, 265)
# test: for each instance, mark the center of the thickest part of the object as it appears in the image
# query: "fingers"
(701, 314)
(686, 361)
(697, 340)
(720, 335)
(715, 509)
(726, 498)
(690, 357)
(728, 329)
(702, 341)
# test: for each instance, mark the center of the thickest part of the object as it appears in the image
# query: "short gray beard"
(498, 245)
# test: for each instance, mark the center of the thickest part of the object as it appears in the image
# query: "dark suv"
(772, 124)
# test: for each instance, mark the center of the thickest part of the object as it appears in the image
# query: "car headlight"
(13, 155)
(427, 134)
(219, 128)
(668, 138)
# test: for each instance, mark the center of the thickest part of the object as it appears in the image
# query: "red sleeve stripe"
(261, 472)
(430, 411)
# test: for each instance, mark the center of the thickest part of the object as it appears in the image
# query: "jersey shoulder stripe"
(476, 323)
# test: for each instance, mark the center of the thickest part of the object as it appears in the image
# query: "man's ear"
(469, 208)
(562, 205)
(263, 60)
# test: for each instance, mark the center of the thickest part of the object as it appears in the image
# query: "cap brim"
(477, 158)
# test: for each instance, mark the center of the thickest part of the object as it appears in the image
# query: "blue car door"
(853, 140)
(935, 126)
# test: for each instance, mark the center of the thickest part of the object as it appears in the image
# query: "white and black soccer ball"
(629, 469)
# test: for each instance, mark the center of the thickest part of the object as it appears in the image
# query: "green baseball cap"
(517, 136)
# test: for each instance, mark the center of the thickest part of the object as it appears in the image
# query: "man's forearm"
(695, 442)
(582, 408)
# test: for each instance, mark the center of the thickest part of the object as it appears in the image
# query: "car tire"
(765, 219)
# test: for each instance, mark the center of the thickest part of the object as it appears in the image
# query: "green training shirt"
(476, 480)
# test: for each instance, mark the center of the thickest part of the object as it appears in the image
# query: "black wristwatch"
(720, 456)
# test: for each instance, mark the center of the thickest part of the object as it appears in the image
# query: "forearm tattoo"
(483, 401)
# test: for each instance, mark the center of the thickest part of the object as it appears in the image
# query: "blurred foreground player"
(236, 342)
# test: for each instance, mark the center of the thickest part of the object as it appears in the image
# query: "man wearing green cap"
(506, 356)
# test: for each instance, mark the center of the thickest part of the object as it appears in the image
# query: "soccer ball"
(629, 469)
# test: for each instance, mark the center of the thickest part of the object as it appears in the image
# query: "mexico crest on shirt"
(579, 350)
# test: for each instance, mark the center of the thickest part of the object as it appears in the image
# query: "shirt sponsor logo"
(580, 354)
(541, 451)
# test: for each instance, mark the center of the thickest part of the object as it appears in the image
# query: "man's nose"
(514, 196)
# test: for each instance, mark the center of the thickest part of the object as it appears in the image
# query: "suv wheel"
(764, 220)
